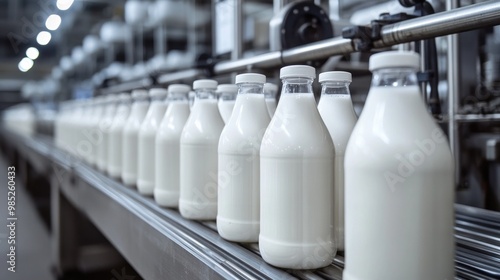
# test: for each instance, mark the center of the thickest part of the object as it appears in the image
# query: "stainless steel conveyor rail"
(160, 244)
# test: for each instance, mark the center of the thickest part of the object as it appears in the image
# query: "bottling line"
(103, 204)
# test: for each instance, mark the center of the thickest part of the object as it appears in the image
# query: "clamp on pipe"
(364, 36)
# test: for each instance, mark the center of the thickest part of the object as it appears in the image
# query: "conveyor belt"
(159, 243)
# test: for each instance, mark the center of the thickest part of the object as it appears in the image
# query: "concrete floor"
(32, 236)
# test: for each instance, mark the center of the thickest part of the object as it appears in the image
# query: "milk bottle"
(131, 136)
(199, 140)
(167, 159)
(82, 145)
(191, 97)
(399, 182)
(239, 164)
(69, 127)
(270, 91)
(147, 136)
(59, 135)
(73, 128)
(115, 143)
(336, 110)
(227, 96)
(297, 160)
(104, 127)
(93, 132)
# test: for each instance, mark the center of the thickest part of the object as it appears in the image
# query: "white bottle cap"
(394, 59)
(335, 76)
(250, 78)
(158, 93)
(270, 87)
(179, 88)
(229, 88)
(139, 93)
(298, 71)
(211, 84)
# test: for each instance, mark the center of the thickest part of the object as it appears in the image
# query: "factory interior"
(250, 139)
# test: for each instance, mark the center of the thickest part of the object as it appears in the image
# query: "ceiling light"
(63, 5)
(43, 38)
(25, 64)
(32, 53)
(53, 22)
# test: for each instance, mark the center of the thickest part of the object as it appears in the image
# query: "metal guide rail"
(160, 244)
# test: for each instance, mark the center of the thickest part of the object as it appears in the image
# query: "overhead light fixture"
(63, 5)
(25, 64)
(43, 38)
(32, 53)
(53, 22)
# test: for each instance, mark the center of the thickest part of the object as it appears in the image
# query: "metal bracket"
(364, 36)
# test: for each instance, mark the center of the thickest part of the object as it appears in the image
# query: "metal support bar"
(278, 5)
(440, 24)
(453, 94)
(237, 51)
(160, 40)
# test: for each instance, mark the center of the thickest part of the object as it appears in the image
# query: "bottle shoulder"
(297, 129)
(204, 125)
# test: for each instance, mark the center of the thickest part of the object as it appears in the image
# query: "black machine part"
(304, 22)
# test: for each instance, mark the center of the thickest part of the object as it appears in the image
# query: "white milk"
(146, 152)
(238, 217)
(297, 159)
(105, 127)
(131, 141)
(199, 141)
(225, 109)
(115, 143)
(398, 205)
(93, 133)
(271, 106)
(59, 125)
(167, 175)
(399, 189)
(68, 127)
(72, 128)
(82, 144)
(337, 112)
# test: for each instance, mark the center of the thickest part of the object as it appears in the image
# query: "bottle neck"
(394, 77)
(270, 95)
(205, 93)
(157, 99)
(250, 88)
(140, 100)
(176, 96)
(297, 85)
(227, 96)
(335, 88)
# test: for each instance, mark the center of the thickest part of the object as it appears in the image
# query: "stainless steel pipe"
(453, 91)
(444, 23)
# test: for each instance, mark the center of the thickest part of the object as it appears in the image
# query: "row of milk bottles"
(288, 180)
